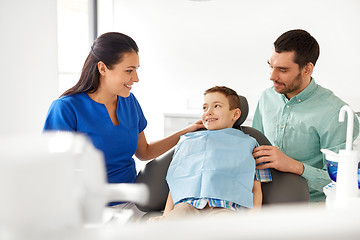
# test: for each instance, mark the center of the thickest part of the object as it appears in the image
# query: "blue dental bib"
(213, 164)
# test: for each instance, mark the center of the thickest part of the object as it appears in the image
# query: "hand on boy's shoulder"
(195, 126)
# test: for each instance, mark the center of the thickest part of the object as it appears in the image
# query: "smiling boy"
(213, 170)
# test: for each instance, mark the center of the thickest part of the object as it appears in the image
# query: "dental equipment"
(345, 191)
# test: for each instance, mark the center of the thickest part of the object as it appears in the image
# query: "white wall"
(28, 64)
(187, 47)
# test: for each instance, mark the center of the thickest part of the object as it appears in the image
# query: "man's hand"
(272, 157)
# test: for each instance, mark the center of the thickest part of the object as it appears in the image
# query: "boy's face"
(217, 114)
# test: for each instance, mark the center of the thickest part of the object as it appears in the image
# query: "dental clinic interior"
(53, 186)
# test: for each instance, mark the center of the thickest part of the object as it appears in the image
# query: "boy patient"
(214, 170)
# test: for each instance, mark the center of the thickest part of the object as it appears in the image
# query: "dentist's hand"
(273, 157)
(193, 127)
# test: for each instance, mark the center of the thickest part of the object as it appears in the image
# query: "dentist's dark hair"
(108, 48)
(305, 46)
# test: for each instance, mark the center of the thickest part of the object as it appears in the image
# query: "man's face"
(285, 74)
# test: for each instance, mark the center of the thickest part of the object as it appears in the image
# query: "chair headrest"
(244, 107)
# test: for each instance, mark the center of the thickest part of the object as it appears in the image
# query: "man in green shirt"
(298, 116)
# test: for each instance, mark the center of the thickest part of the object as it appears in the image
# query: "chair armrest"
(285, 188)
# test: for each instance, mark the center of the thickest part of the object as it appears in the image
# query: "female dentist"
(101, 106)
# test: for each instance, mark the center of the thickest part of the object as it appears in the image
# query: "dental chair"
(284, 188)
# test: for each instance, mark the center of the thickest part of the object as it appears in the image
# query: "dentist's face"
(216, 112)
(285, 74)
(119, 79)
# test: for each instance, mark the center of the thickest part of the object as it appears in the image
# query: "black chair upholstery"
(284, 188)
(153, 175)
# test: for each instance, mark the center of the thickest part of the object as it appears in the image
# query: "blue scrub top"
(79, 113)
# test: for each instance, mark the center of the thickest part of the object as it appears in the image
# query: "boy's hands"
(155, 219)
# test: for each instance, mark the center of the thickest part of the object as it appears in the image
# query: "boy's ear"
(237, 114)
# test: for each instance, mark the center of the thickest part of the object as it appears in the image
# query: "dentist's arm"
(146, 151)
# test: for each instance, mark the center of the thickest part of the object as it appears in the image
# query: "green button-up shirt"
(302, 126)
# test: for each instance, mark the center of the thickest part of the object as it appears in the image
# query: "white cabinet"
(174, 122)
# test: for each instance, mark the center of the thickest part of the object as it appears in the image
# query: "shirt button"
(287, 106)
(299, 100)
(282, 126)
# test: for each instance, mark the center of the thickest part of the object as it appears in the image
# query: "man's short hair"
(231, 95)
(305, 46)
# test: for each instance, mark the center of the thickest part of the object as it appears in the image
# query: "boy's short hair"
(231, 95)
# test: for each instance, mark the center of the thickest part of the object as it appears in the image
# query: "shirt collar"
(304, 94)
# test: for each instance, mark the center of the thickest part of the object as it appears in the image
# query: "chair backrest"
(284, 188)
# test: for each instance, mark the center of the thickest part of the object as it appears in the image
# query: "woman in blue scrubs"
(101, 106)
